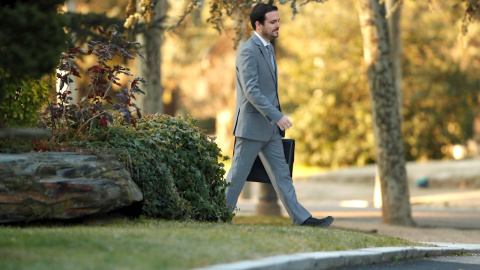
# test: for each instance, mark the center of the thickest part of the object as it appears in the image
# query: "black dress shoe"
(315, 222)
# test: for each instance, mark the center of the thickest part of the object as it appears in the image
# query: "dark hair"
(258, 13)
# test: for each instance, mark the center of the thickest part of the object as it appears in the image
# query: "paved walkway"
(433, 224)
(348, 195)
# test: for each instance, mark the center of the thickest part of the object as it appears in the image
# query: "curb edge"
(325, 260)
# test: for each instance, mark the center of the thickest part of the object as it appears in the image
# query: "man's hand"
(284, 123)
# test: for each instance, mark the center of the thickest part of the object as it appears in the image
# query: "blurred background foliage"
(322, 78)
(323, 83)
(441, 81)
(324, 88)
(31, 39)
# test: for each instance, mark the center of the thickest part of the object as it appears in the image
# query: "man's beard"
(271, 35)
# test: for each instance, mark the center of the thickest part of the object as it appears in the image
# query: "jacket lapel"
(265, 55)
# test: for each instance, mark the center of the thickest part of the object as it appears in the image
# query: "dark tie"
(272, 56)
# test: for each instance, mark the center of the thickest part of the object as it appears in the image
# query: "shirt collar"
(261, 39)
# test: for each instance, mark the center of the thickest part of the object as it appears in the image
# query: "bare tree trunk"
(71, 7)
(150, 70)
(394, 9)
(267, 201)
(387, 120)
(394, 12)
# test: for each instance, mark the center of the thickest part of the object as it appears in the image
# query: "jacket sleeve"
(247, 69)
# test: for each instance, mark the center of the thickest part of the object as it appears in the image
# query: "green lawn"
(157, 244)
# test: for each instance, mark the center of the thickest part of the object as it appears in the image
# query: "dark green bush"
(175, 165)
(31, 37)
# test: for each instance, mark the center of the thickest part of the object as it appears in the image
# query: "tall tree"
(394, 11)
(386, 116)
(394, 15)
(151, 39)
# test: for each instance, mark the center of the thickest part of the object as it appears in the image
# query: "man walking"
(259, 122)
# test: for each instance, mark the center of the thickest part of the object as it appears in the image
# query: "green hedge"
(22, 102)
(175, 165)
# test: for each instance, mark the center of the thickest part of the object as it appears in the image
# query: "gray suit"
(256, 132)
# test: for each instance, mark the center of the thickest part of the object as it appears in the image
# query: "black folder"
(258, 173)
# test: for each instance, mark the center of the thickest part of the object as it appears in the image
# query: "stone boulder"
(62, 185)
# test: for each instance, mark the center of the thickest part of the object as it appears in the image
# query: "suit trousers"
(273, 158)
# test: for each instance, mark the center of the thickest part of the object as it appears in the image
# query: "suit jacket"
(257, 109)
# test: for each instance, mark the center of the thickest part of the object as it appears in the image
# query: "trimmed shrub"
(23, 102)
(175, 165)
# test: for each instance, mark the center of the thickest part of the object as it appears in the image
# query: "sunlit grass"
(156, 244)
